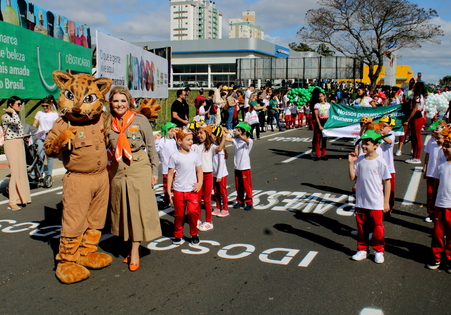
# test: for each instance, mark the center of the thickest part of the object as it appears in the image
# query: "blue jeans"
(230, 112)
(275, 115)
(41, 153)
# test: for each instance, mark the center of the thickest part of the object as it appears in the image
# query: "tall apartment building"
(245, 27)
(195, 19)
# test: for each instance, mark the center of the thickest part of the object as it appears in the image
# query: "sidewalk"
(58, 169)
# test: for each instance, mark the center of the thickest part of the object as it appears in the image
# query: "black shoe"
(280, 129)
(433, 264)
(262, 130)
(248, 207)
(316, 159)
(177, 241)
(195, 240)
(237, 205)
(324, 158)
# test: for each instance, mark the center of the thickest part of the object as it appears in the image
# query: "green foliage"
(300, 47)
(446, 80)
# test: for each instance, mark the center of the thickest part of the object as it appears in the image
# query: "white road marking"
(302, 154)
(371, 311)
(297, 156)
(412, 189)
(307, 259)
(37, 193)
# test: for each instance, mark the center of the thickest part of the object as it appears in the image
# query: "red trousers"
(293, 119)
(205, 192)
(309, 121)
(288, 121)
(185, 201)
(301, 119)
(221, 195)
(370, 221)
(415, 136)
(319, 142)
(442, 229)
(243, 184)
(430, 194)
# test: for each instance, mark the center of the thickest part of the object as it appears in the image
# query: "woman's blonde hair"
(124, 91)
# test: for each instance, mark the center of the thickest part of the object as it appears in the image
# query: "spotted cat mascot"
(79, 136)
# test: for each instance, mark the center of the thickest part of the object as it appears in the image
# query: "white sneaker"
(199, 223)
(428, 219)
(398, 153)
(379, 257)
(216, 212)
(360, 255)
(206, 226)
(354, 232)
(413, 161)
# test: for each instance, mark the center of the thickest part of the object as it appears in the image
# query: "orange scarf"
(122, 142)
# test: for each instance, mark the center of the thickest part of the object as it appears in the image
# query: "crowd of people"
(193, 154)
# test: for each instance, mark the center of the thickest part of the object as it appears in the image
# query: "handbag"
(251, 118)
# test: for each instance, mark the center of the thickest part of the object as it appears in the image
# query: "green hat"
(166, 127)
(372, 134)
(436, 123)
(245, 126)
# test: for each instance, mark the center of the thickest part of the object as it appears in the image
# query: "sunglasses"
(45, 105)
(19, 104)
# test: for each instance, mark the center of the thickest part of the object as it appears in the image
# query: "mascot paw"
(68, 272)
(95, 260)
(63, 139)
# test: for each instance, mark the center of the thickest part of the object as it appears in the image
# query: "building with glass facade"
(203, 63)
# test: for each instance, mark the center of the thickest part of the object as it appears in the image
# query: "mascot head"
(82, 96)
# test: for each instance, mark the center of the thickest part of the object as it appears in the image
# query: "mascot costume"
(80, 137)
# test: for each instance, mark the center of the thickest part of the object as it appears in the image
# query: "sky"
(148, 20)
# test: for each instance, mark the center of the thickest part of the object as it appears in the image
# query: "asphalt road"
(290, 255)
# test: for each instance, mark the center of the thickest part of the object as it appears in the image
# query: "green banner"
(344, 115)
(27, 60)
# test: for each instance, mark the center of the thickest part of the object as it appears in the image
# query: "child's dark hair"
(372, 141)
(244, 132)
(218, 142)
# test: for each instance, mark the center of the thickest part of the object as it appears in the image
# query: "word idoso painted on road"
(237, 251)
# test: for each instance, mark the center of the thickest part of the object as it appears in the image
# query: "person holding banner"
(416, 121)
(19, 188)
(363, 100)
(321, 110)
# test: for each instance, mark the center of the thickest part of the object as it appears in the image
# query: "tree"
(446, 80)
(324, 50)
(300, 47)
(368, 30)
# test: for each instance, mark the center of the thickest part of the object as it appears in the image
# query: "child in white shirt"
(186, 185)
(206, 150)
(372, 177)
(242, 164)
(220, 176)
(441, 235)
(166, 146)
